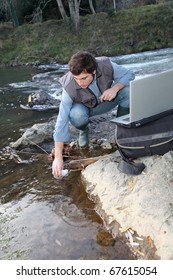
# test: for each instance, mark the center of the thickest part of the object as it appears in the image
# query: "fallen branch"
(82, 163)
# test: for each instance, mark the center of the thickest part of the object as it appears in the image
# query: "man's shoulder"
(104, 62)
(102, 58)
(66, 78)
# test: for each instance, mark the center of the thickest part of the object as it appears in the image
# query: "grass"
(127, 31)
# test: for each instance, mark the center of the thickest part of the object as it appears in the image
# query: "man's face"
(84, 79)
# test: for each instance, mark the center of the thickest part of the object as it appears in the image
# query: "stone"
(143, 203)
(37, 134)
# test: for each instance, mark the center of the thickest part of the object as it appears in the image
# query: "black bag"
(155, 137)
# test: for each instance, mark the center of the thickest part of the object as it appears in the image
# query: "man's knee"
(79, 116)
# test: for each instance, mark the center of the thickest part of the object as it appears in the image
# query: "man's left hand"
(108, 95)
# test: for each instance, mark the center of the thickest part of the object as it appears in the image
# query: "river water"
(41, 217)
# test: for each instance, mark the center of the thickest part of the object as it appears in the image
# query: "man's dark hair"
(82, 61)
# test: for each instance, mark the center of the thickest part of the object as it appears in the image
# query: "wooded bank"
(126, 31)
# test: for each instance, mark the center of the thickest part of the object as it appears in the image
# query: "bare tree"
(91, 6)
(114, 4)
(74, 13)
(62, 10)
(37, 15)
(9, 7)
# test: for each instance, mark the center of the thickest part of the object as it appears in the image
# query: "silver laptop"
(149, 96)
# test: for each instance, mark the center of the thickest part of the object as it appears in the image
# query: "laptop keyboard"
(126, 119)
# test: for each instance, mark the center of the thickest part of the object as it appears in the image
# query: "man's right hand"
(58, 164)
(57, 167)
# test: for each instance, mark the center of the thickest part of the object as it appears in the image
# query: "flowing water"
(41, 217)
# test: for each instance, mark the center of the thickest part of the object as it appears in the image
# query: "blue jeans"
(80, 114)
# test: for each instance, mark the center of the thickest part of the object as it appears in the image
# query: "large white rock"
(143, 203)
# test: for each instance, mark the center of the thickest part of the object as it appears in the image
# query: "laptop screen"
(151, 95)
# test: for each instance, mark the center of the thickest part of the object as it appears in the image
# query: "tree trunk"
(114, 3)
(74, 13)
(12, 12)
(91, 6)
(62, 10)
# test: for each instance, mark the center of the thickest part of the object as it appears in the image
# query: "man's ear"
(94, 71)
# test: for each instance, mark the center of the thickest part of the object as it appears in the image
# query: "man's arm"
(121, 74)
(61, 133)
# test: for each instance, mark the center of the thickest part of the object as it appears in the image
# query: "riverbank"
(127, 31)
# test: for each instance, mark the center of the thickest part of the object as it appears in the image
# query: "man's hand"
(58, 164)
(108, 94)
(57, 167)
(111, 93)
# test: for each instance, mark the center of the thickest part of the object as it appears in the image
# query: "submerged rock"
(37, 134)
(42, 101)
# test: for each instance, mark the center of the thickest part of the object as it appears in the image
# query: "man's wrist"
(60, 158)
(118, 86)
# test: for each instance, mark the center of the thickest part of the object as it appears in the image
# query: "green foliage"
(126, 31)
